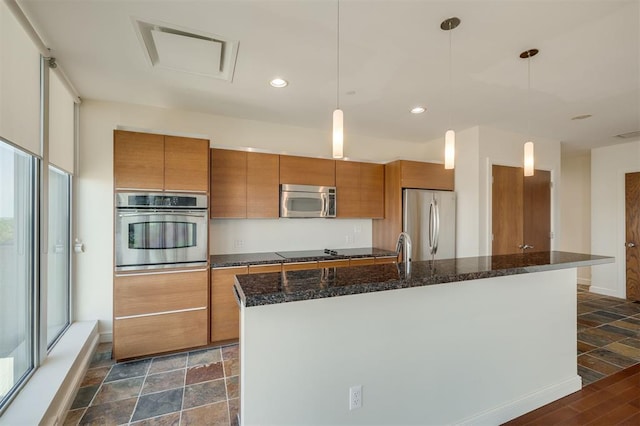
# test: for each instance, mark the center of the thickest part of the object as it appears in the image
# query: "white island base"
(475, 352)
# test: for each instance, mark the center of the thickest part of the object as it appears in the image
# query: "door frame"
(489, 200)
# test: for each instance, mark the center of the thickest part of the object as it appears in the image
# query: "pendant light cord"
(529, 95)
(338, 58)
(450, 76)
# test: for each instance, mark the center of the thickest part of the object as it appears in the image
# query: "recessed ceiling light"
(418, 110)
(581, 117)
(278, 82)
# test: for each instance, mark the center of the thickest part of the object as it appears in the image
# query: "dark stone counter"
(272, 288)
(244, 259)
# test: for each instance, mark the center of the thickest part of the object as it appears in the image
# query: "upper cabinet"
(244, 184)
(151, 162)
(415, 174)
(359, 189)
(307, 171)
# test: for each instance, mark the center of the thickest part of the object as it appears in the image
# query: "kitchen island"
(471, 340)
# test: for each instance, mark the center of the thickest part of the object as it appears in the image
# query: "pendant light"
(450, 135)
(338, 133)
(529, 165)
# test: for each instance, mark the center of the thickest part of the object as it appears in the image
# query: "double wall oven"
(160, 230)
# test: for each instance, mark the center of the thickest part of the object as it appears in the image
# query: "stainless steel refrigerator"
(429, 217)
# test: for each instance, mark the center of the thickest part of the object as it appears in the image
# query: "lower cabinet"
(299, 266)
(225, 313)
(386, 259)
(159, 312)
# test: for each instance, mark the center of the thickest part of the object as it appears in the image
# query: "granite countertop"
(290, 286)
(244, 259)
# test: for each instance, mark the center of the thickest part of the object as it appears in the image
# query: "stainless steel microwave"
(307, 201)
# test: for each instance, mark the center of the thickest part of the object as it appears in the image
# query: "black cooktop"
(307, 253)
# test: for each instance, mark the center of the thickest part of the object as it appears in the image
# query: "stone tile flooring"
(189, 388)
(608, 335)
(202, 387)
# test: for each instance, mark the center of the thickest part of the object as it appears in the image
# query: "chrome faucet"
(404, 246)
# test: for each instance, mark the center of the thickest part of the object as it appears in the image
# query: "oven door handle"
(172, 213)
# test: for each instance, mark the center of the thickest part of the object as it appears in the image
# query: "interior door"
(537, 211)
(632, 234)
(507, 210)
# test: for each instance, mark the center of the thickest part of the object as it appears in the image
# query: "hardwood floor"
(614, 400)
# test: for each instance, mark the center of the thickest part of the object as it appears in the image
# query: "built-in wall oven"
(160, 230)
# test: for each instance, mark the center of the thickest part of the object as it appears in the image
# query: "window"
(17, 224)
(58, 255)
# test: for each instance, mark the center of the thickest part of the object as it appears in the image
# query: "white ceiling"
(393, 56)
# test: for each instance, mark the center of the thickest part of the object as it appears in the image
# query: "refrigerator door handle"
(432, 225)
(437, 227)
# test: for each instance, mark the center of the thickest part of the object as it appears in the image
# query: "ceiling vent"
(630, 135)
(182, 49)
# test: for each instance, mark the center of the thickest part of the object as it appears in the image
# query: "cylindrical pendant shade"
(528, 159)
(338, 135)
(449, 149)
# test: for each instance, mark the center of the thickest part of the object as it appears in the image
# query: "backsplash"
(229, 236)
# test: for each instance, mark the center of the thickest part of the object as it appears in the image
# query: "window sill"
(49, 392)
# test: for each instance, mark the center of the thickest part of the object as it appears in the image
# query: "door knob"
(631, 245)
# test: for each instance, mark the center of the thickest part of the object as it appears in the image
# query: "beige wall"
(94, 215)
(575, 206)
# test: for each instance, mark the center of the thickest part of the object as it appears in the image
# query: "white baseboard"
(525, 404)
(605, 291)
(106, 337)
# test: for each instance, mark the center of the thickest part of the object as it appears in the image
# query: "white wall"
(575, 206)
(608, 167)
(94, 267)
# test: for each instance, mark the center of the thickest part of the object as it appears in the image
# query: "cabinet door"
(138, 161)
(341, 263)
(186, 164)
(228, 184)
(263, 190)
(421, 175)
(141, 294)
(386, 259)
(361, 261)
(307, 171)
(348, 189)
(225, 313)
(152, 334)
(263, 269)
(372, 190)
(299, 266)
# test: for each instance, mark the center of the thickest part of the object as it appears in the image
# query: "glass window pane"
(16, 267)
(58, 255)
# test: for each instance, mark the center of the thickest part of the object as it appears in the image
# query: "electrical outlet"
(238, 243)
(348, 239)
(355, 397)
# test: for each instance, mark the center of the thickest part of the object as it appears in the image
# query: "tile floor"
(608, 335)
(189, 388)
(202, 387)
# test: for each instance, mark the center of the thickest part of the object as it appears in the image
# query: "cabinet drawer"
(298, 266)
(362, 261)
(159, 333)
(333, 263)
(263, 269)
(152, 293)
(386, 259)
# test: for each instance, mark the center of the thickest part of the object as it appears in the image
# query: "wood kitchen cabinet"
(152, 162)
(225, 313)
(405, 174)
(307, 171)
(359, 189)
(244, 184)
(159, 312)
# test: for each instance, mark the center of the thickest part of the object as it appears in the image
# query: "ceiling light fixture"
(278, 83)
(450, 135)
(528, 146)
(338, 131)
(418, 110)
